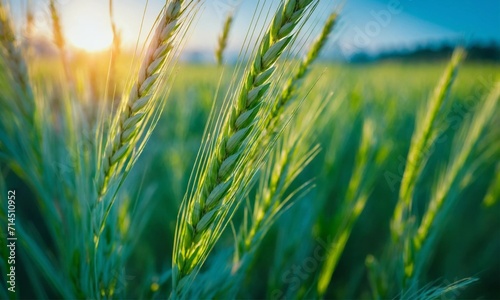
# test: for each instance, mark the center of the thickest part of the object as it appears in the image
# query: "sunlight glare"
(90, 37)
(87, 25)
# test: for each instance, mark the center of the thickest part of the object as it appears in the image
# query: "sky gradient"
(366, 25)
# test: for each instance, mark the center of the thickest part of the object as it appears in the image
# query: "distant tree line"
(429, 52)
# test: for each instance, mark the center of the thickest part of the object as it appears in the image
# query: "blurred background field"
(390, 93)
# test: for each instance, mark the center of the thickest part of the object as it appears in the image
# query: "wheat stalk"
(296, 152)
(466, 142)
(425, 134)
(222, 41)
(356, 196)
(138, 104)
(293, 83)
(56, 26)
(195, 233)
(30, 20)
(115, 53)
(12, 57)
(286, 95)
(272, 120)
(59, 40)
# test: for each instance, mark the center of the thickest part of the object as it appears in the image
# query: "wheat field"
(277, 174)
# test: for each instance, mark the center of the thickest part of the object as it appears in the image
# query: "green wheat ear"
(296, 151)
(426, 132)
(139, 112)
(222, 41)
(294, 83)
(465, 143)
(139, 103)
(202, 215)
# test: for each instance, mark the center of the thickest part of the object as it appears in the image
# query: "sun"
(86, 24)
(90, 36)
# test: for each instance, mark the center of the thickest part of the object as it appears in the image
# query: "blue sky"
(367, 25)
(423, 20)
